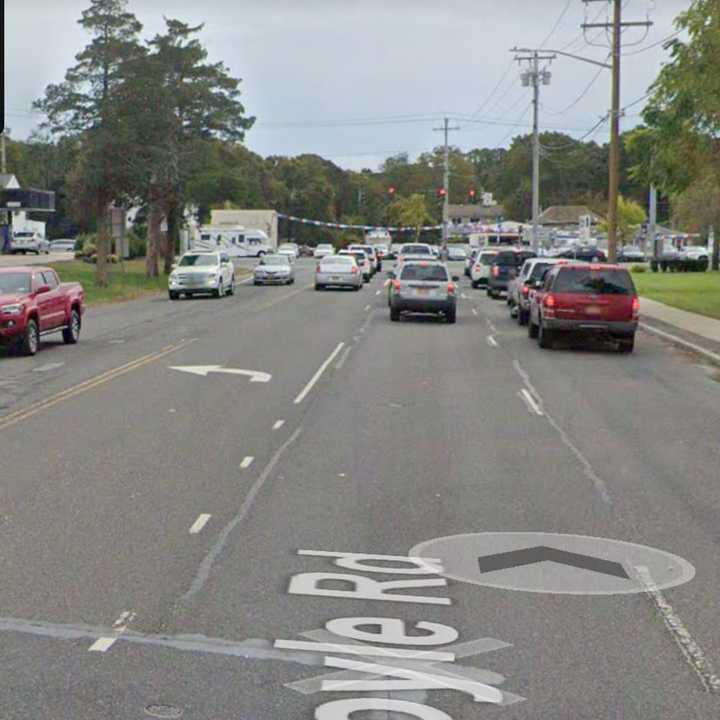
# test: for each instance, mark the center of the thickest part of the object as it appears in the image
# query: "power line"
(557, 23)
(580, 97)
(495, 89)
(655, 44)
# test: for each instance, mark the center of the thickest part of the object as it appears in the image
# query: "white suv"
(202, 273)
(25, 241)
(480, 270)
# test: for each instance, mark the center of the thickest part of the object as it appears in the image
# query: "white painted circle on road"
(555, 563)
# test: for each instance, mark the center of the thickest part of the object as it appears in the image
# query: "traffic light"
(441, 192)
(472, 195)
(391, 192)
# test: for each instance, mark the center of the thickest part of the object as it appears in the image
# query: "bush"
(137, 245)
(638, 269)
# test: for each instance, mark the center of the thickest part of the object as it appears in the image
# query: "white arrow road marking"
(204, 370)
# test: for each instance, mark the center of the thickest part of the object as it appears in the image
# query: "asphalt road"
(151, 519)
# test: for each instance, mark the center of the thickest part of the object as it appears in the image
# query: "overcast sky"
(308, 66)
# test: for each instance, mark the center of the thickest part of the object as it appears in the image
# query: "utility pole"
(617, 27)
(3, 156)
(446, 129)
(535, 77)
(653, 246)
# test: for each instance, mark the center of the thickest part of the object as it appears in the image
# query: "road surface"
(151, 518)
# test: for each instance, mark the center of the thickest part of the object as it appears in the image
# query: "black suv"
(504, 268)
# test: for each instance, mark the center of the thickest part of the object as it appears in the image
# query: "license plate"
(422, 291)
(593, 310)
(336, 278)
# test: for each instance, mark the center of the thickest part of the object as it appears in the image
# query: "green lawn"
(695, 292)
(125, 284)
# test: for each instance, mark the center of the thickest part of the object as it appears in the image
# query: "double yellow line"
(7, 421)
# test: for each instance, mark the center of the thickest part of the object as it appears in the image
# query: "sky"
(356, 81)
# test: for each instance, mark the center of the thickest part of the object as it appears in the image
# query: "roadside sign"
(556, 563)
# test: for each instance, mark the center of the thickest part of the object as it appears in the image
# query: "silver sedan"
(274, 270)
(338, 271)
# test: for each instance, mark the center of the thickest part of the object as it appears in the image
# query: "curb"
(714, 357)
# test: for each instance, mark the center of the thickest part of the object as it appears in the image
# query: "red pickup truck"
(33, 302)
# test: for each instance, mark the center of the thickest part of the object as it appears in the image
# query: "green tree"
(629, 219)
(411, 212)
(86, 107)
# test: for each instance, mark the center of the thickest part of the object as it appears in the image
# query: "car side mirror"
(42, 289)
(456, 278)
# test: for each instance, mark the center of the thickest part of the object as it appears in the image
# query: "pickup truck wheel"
(71, 334)
(532, 329)
(626, 345)
(173, 295)
(231, 289)
(31, 339)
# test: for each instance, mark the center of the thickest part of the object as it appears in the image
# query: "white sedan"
(323, 249)
(290, 249)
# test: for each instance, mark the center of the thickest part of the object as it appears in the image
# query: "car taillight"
(396, 285)
(354, 271)
(525, 291)
(549, 301)
(495, 271)
(451, 288)
(317, 268)
(635, 306)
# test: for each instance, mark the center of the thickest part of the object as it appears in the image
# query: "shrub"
(638, 269)
(137, 245)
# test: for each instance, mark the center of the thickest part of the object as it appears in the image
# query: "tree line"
(152, 123)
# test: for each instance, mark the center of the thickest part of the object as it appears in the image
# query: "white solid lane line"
(247, 462)
(199, 524)
(278, 424)
(306, 390)
(531, 402)
(492, 341)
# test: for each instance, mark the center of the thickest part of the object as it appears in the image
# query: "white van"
(237, 241)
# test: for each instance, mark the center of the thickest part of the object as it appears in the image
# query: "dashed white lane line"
(102, 644)
(278, 424)
(378, 292)
(247, 462)
(367, 307)
(199, 524)
(531, 402)
(474, 311)
(313, 380)
(492, 342)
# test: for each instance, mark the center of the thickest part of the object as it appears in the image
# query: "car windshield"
(424, 273)
(601, 281)
(336, 260)
(416, 250)
(275, 260)
(506, 258)
(198, 260)
(11, 283)
(487, 258)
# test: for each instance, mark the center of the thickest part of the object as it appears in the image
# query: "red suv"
(590, 298)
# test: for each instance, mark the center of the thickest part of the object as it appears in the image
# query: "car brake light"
(354, 270)
(396, 285)
(451, 288)
(317, 268)
(495, 271)
(635, 306)
(549, 301)
(525, 291)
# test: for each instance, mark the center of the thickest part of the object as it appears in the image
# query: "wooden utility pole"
(446, 129)
(617, 26)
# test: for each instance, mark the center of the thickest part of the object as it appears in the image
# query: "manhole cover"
(163, 711)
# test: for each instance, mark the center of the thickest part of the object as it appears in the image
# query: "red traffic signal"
(391, 191)
(441, 192)
(472, 194)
